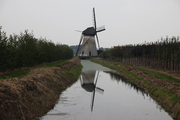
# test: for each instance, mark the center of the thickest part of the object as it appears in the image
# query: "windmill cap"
(89, 87)
(89, 31)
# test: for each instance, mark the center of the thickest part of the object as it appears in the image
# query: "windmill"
(88, 47)
(88, 82)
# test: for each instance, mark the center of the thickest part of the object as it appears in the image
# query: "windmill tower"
(88, 46)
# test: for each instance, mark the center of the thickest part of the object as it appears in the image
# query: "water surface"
(101, 94)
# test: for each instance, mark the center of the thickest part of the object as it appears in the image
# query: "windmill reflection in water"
(88, 82)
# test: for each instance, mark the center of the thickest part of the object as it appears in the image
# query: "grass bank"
(163, 88)
(37, 92)
(24, 71)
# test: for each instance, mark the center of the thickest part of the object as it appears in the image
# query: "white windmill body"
(88, 46)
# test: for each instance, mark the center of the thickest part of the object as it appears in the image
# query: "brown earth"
(151, 85)
(36, 93)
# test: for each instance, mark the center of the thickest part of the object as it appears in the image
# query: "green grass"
(115, 63)
(156, 74)
(74, 70)
(15, 74)
(119, 63)
(126, 74)
(167, 95)
(24, 72)
(164, 97)
(130, 74)
(58, 63)
(160, 75)
(40, 101)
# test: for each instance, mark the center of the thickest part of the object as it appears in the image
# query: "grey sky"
(126, 21)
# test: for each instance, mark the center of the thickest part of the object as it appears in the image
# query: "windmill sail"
(94, 18)
(94, 92)
(99, 29)
(79, 44)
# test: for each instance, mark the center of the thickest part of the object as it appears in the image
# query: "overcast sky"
(126, 21)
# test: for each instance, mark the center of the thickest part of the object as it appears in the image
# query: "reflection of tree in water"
(116, 77)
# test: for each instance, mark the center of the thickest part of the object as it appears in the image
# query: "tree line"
(24, 50)
(162, 54)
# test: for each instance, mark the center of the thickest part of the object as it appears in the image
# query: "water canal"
(101, 94)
